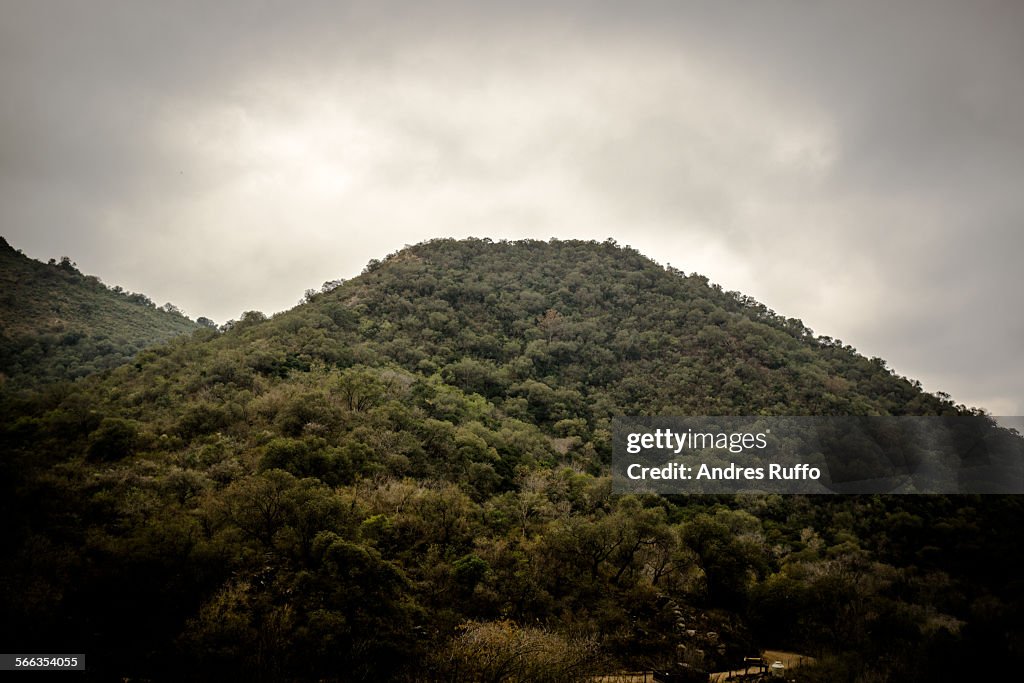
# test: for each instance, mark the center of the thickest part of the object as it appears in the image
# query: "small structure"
(760, 662)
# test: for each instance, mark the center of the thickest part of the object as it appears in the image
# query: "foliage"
(58, 324)
(404, 479)
(503, 652)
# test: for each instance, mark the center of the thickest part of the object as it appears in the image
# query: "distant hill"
(404, 478)
(58, 324)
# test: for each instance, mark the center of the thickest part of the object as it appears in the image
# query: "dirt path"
(790, 660)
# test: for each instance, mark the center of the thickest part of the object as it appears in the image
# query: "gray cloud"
(852, 164)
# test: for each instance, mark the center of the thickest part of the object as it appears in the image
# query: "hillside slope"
(403, 479)
(56, 323)
(562, 329)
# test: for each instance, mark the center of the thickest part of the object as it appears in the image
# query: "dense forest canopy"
(58, 324)
(404, 478)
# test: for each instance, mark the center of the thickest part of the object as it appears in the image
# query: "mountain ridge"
(57, 323)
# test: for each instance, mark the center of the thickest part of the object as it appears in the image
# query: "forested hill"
(58, 324)
(403, 479)
(564, 329)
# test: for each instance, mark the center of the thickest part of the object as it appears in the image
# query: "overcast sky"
(859, 167)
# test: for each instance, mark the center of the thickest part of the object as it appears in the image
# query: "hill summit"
(555, 330)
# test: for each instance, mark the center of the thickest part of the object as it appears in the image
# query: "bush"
(114, 439)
